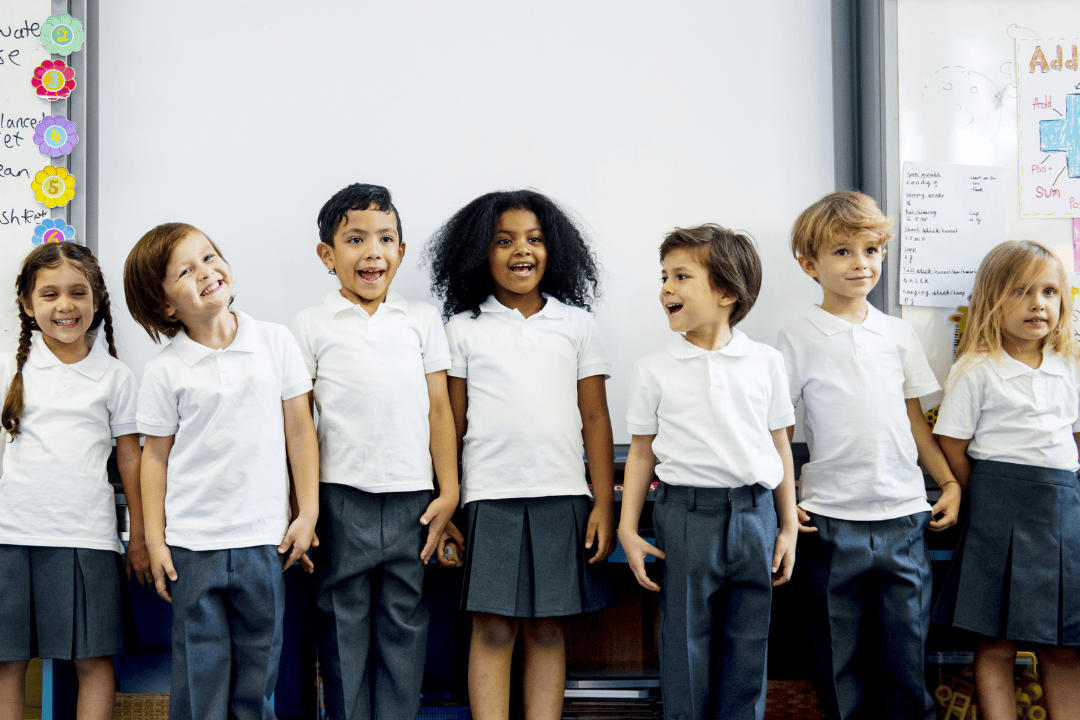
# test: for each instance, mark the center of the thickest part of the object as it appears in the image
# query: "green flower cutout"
(62, 34)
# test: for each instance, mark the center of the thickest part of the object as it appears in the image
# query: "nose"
(373, 250)
(521, 247)
(665, 289)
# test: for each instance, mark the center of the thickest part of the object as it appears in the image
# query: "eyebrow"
(378, 231)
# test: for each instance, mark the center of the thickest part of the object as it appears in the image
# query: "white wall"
(243, 118)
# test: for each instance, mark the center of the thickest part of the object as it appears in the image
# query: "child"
(527, 388)
(1011, 404)
(713, 407)
(859, 375)
(66, 399)
(379, 365)
(221, 406)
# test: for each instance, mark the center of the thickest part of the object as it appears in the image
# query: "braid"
(14, 403)
(105, 311)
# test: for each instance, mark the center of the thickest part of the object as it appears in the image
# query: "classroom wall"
(243, 118)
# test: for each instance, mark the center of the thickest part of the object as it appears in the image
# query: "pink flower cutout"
(53, 80)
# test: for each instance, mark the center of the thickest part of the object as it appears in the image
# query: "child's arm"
(457, 388)
(787, 519)
(941, 469)
(294, 502)
(303, 449)
(600, 450)
(640, 468)
(443, 448)
(152, 478)
(955, 452)
(128, 459)
(802, 515)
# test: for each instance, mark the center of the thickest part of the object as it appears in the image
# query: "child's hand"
(636, 548)
(162, 568)
(436, 517)
(305, 560)
(804, 519)
(137, 560)
(298, 538)
(783, 559)
(450, 536)
(601, 528)
(948, 506)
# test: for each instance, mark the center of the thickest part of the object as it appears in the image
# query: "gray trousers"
(715, 599)
(373, 624)
(869, 604)
(226, 637)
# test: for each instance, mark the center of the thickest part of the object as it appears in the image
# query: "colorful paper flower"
(55, 135)
(53, 80)
(62, 34)
(53, 186)
(53, 231)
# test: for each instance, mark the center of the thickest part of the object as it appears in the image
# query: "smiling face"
(198, 282)
(848, 270)
(63, 305)
(691, 303)
(517, 257)
(365, 255)
(1031, 313)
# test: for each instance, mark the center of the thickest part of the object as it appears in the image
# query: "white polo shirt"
(853, 381)
(228, 483)
(1012, 412)
(524, 433)
(712, 412)
(371, 389)
(55, 490)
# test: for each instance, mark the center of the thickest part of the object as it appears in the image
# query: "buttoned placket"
(1040, 389)
(64, 384)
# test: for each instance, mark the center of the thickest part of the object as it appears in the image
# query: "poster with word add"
(20, 158)
(1048, 126)
(951, 216)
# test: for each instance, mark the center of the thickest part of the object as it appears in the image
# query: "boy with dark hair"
(713, 408)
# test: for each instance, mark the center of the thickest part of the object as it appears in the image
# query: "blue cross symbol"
(1064, 135)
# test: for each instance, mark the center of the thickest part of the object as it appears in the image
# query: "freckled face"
(517, 256)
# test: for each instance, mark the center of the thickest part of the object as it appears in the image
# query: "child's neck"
(217, 331)
(1029, 353)
(68, 353)
(853, 310)
(711, 336)
(528, 304)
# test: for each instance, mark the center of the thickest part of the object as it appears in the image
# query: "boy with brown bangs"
(859, 375)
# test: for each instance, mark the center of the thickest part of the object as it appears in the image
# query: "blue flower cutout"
(53, 231)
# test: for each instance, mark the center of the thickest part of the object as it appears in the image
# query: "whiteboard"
(243, 118)
(956, 70)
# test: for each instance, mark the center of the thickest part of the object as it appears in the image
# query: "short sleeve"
(124, 403)
(643, 403)
(435, 348)
(919, 379)
(960, 408)
(295, 378)
(592, 357)
(781, 408)
(158, 412)
(459, 356)
(301, 331)
(791, 366)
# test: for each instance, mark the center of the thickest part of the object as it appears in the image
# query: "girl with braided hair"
(66, 398)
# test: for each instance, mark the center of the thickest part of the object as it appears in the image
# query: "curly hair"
(51, 255)
(458, 253)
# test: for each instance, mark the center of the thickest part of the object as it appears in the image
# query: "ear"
(401, 249)
(808, 263)
(727, 298)
(30, 310)
(326, 254)
(168, 311)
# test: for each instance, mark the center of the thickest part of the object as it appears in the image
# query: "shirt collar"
(830, 324)
(682, 349)
(192, 352)
(93, 366)
(552, 308)
(338, 304)
(1008, 367)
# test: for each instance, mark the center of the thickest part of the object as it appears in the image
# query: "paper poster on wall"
(1073, 279)
(1048, 125)
(952, 215)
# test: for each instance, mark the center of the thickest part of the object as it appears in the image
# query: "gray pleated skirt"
(1016, 572)
(59, 603)
(526, 557)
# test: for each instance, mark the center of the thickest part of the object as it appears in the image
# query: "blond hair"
(1013, 266)
(834, 219)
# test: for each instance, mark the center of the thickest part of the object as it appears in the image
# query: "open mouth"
(371, 275)
(66, 323)
(673, 308)
(212, 288)
(521, 269)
